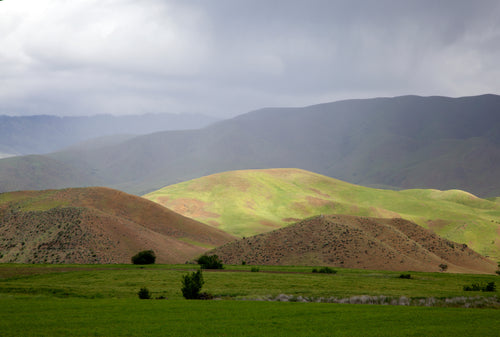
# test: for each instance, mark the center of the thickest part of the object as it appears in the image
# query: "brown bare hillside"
(356, 242)
(96, 225)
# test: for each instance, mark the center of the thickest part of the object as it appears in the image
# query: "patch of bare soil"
(192, 208)
(356, 242)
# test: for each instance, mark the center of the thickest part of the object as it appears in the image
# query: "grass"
(234, 282)
(249, 202)
(134, 317)
(101, 300)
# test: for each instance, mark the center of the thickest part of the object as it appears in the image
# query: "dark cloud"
(226, 57)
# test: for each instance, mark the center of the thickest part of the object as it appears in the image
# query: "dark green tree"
(210, 262)
(144, 257)
(191, 285)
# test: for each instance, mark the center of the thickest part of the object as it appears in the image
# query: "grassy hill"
(402, 142)
(250, 202)
(96, 225)
(356, 242)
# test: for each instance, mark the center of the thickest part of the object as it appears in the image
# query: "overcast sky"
(227, 57)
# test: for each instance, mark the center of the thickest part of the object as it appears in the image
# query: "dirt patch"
(436, 225)
(317, 202)
(290, 220)
(268, 223)
(192, 208)
(318, 192)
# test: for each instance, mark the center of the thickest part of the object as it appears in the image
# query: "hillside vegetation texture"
(402, 142)
(356, 242)
(96, 225)
(250, 202)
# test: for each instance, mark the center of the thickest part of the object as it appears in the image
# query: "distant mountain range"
(402, 142)
(21, 135)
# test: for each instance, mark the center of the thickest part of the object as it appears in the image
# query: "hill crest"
(249, 202)
(355, 242)
(96, 225)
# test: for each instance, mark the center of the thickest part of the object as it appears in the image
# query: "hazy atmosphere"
(224, 58)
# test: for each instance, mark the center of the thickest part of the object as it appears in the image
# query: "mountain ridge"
(402, 142)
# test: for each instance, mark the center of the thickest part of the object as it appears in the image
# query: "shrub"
(144, 294)
(324, 270)
(205, 296)
(210, 262)
(254, 269)
(405, 276)
(443, 267)
(191, 285)
(144, 257)
(490, 286)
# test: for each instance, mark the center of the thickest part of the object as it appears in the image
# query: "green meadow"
(249, 202)
(101, 300)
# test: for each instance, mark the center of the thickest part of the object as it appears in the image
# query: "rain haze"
(223, 58)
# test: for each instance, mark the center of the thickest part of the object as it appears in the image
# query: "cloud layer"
(227, 57)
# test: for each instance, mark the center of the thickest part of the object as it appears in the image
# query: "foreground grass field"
(133, 317)
(101, 300)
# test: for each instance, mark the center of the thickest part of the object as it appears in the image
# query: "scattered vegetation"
(324, 270)
(191, 285)
(144, 294)
(210, 262)
(144, 257)
(489, 287)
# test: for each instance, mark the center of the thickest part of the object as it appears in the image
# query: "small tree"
(210, 262)
(144, 294)
(144, 257)
(443, 267)
(191, 285)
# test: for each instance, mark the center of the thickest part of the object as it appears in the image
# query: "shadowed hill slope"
(355, 242)
(42, 134)
(401, 142)
(250, 202)
(96, 225)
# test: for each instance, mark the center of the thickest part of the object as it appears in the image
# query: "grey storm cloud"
(227, 57)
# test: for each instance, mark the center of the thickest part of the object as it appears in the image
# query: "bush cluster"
(210, 262)
(324, 270)
(490, 287)
(144, 257)
(405, 276)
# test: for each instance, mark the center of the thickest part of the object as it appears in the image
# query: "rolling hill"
(355, 242)
(402, 142)
(96, 225)
(250, 202)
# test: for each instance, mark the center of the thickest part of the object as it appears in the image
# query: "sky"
(227, 57)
